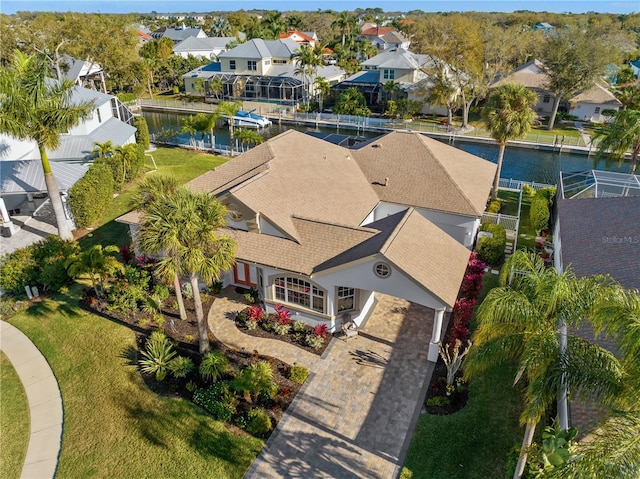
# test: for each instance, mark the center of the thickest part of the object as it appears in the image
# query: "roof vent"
(386, 181)
(377, 145)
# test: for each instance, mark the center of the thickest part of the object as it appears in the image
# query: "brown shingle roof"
(596, 94)
(426, 173)
(531, 75)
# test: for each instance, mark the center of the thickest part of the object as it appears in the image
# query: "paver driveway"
(355, 415)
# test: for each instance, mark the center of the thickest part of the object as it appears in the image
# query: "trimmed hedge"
(539, 213)
(142, 132)
(91, 195)
(494, 206)
(491, 250)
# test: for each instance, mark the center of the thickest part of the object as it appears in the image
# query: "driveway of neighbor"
(355, 416)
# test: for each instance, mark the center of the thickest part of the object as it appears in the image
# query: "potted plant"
(216, 287)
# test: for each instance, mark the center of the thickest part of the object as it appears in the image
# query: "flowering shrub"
(255, 314)
(475, 265)
(126, 254)
(283, 315)
(320, 331)
(472, 281)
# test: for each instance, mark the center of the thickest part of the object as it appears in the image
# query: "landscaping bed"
(447, 404)
(183, 336)
(297, 334)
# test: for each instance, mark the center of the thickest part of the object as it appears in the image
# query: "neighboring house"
(20, 168)
(597, 229)
(635, 67)
(587, 105)
(590, 104)
(407, 69)
(321, 228)
(544, 26)
(259, 70)
(178, 34)
(143, 37)
(384, 38)
(301, 38)
(208, 47)
(83, 73)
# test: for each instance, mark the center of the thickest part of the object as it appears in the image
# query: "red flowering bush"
(255, 314)
(321, 331)
(283, 316)
(462, 313)
(472, 281)
(126, 254)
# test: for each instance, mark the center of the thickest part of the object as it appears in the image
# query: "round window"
(382, 270)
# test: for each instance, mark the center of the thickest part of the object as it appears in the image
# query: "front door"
(242, 274)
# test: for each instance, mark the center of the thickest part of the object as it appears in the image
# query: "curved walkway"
(222, 324)
(45, 402)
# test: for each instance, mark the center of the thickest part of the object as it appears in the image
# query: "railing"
(508, 221)
(177, 105)
(511, 184)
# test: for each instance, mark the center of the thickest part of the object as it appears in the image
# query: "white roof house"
(209, 47)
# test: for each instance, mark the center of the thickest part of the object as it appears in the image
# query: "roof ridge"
(446, 172)
(394, 233)
(337, 225)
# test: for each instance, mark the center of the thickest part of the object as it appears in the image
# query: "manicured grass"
(180, 163)
(14, 421)
(114, 425)
(474, 442)
(510, 201)
(528, 241)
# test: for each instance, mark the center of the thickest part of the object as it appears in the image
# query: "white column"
(6, 219)
(563, 410)
(436, 335)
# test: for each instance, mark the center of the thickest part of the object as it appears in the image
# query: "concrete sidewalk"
(45, 402)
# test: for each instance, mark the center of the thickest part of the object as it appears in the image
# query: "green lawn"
(114, 425)
(180, 163)
(14, 421)
(510, 200)
(474, 442)
(529, 240)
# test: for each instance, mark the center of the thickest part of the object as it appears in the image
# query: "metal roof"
(598, 184)
(258, 48)
(27, 176)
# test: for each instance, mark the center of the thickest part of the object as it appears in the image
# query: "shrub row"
(539, 212)
(491, 250)
(91, 195)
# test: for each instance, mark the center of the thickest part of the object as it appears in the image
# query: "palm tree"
(307, 61)
(346, 23)
(508, 116)
(274, 23)
(128, 154)
(352, 102)
(521, 322)
(185, 227)
(227, 109)
(248, 137)
(188, 126)
(97, 262)
(151, 190)
(216, 85)
(35, 108)
(102, 150)
(323, 88)
(220, 27)
(620, 136)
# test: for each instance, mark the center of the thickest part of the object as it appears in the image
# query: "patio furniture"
(350, 330)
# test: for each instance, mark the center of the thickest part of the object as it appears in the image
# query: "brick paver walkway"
(355, 415)
(222, 325)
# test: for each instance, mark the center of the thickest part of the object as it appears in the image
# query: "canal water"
(519, 163)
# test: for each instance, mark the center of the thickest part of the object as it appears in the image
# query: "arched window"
(298, 291)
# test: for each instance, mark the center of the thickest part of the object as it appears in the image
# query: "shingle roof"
(179, 34)
(394, 37)
(602, 236)
(531, 75)
(27, 176)
(596, 94)
(258, 48)
(377, 31)
(399, 58)
(426, 173)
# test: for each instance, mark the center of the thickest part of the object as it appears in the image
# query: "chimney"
(386, 181)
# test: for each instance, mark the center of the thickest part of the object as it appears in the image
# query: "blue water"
(519, 163)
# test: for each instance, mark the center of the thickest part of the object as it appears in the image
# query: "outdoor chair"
(350, 330)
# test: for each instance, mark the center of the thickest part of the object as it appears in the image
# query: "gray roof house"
(178, 34)
(322, 228)
(20, 167)
(208, 47)
(260, 70)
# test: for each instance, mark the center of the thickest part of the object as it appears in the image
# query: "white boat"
(248, 118)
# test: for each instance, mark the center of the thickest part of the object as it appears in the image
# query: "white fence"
(511, 184)
(508, 221)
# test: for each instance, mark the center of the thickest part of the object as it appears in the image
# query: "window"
(279, 62)
(99, 117)
(546, 99)
(597, 110)
(346, 298)
(299, 291)
(388, 74)
(251, 65)
(232, 64)
(382, 270)
(267, 62)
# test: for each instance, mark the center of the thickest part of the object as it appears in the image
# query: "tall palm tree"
(323, 88)
(188, 126)
(521, 322)
(247, 137)
(151, 190)
(98, 263)
(34, 107)
(227, 109)
(103, 150)
(216, 85)
(620, 136)
(274, 23)
(128, 154)
(508, 115)
(307, 61)
(346, 23)
(185, 226)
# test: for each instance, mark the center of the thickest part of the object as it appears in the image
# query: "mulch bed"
(438, 388)
(260, 332)
(185, 334)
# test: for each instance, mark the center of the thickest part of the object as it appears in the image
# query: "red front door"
(242, 274)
